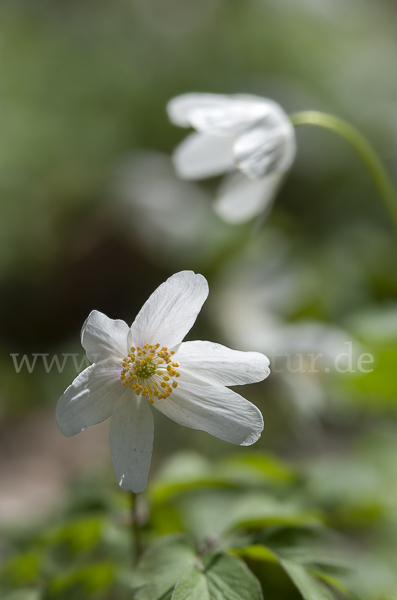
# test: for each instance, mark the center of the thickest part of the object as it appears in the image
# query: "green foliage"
(24, 568)
(84, 84)
(268, 525)
(190, 470)
(172, 564)
(161, 566)
(257, 510)
(23, 594)
(218, 537)
(79, 535)
(223, 577)
(309, 556)
(85, 580)
(309, 586)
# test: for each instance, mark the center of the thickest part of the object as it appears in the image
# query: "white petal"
(170, 311)
(240, 199)
(200, 156)
(90, 399)
(268, 147)
(180, 107)
(131, 441)
(221, 115)
(104, 338)
(219, 365)
(232, 117)
(215, 409)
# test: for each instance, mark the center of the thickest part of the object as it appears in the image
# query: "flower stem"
(363, 148)
(135, 532)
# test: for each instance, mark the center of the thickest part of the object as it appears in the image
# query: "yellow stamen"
(148, 370)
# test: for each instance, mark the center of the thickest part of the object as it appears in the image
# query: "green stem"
(363, 148)
(135, 533)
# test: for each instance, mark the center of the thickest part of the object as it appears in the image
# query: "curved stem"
(363, 148)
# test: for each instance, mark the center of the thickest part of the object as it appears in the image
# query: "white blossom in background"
(169, 217)
(255, 305)
(148, 364)
(248, 137)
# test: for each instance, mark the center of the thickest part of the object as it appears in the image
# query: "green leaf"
(377, 388)
(262, 510)
(78, 534)
(165, 519)
(161, 566)
(310, 556)
(184, 466)
(206, 513)
(335, 583)
(316, 548)
(192, 586)
(87, 579)
(256, 552)
(213, 513)
(23, 568)
(256, 467)
(224, 578)
(183, 472)
(309, 586)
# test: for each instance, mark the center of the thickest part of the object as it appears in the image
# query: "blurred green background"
(92, 217)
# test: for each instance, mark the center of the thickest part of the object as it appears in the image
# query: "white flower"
(248, 133)
(147, 364)
(168, 216)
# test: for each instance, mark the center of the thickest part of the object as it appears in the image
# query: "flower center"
(145, 368)
(149, 372)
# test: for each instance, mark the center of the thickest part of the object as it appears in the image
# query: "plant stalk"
(363, 148)
(135, 530)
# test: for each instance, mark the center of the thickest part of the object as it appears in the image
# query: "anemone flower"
(148, 364)
(248, 137)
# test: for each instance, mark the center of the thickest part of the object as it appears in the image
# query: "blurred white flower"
(147, 364)
(256, 304)
(256, 301)
(169, 217)
(246, 133)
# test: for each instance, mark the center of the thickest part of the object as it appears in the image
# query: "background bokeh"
(92, 216)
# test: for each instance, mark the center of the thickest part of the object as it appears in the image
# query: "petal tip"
(135, 489)
(253, 437)
(65, 429)
(191, 276)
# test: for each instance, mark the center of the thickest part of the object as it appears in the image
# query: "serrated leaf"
(224, 578)
(308, 585)
(161, 566)
(192, 586)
